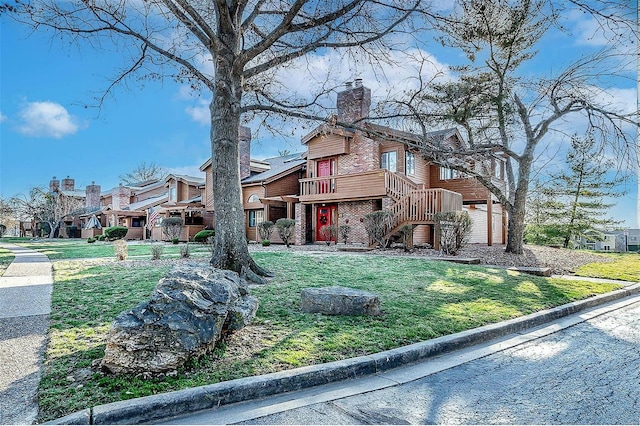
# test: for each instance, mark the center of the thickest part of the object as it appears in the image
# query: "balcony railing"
(344, 187)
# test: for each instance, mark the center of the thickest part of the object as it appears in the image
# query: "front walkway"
(25, 304)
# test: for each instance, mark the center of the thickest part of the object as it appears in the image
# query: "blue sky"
(46, 131)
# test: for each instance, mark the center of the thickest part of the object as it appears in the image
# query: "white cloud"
(2, 117)
(193, 170)
(200, 113)
(46, 119)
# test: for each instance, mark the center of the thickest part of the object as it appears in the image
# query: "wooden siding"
(287, 185)
(470, 189)
(145, 194)
(247, 192)
(343, 187)
(328, 146)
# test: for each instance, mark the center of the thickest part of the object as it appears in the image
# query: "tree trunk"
(230, 247)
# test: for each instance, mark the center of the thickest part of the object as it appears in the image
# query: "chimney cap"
(348, 84)
(358, 82)
(54, 177)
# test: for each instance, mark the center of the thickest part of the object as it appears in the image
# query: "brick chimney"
(244, 136)
(92, 200)
(68, 184)
(354, 103)
(121, 197)
(54, 185)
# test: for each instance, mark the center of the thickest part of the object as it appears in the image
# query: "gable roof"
(191, 180)
(278, 166)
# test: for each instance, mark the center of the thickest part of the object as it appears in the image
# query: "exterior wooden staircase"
(416, 205)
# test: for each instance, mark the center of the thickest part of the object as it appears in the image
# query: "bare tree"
(506, 116)
(48, 207)
(143, 173)
(235, 49)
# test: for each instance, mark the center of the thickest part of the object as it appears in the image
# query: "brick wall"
(301, 225)
(354, 103)
(363, 156)
(351, 213)
(92, 200)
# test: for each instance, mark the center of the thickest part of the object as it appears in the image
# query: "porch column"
(489, 222)
(301, 225)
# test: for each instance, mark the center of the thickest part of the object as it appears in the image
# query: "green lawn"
(74, 249)
(626, 267)
(6, 257)
(420, 300)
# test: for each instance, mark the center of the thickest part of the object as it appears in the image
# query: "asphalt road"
(585, 373)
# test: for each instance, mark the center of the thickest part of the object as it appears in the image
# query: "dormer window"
(389, 160)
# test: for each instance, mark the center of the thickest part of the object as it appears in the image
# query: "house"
(269, 187)
(130, 206)
(351, 173)
(345, 174)
(618, 240)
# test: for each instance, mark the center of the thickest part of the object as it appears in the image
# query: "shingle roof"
(278, 165)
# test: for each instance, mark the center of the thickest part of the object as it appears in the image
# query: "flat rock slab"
(354, 249)
(339, 301)
(541, 272)
(462, 260)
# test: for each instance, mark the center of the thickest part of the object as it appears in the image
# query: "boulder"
(190, 309)
(339, 301)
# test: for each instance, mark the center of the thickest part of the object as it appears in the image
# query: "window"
(388, 160)
(253, 199)
(447, 173)
(173, 194)
(255, 217)
(409, 163)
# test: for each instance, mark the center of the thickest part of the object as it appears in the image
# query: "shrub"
(328, 233)
(203, 236)
(344, 231)
(406, 232)
(175, 240)
(72, 231)
(100, 237)
(454, 229)
(91, 240)
(115, 232)
(185, 251)
(265, 229)
(171, 228)
(378, 224)
(286, 229)
(156, 251)
(120, 249)
(266, 243)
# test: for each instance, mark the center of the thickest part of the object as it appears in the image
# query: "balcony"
(356, 186)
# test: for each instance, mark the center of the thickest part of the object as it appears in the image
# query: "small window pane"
(388, 160)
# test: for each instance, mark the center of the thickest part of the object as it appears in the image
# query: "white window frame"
(386, 161)
(409, 163)
(255, 217)
(448, 174)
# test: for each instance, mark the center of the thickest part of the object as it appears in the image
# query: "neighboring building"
(352, 173)
(618, 240)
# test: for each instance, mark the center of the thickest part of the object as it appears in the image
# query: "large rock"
(339, 301)
(191, 307)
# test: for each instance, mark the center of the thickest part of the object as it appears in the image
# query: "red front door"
(326, 216)
(324, 169)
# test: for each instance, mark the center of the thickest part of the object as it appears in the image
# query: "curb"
(177, 403)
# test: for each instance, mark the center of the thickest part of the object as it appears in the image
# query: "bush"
(378, 224)
(328, 233)
(100, 237)
(171, 228)
(454, 229)
(286, 229)
(156, 251)
(120, 249)
(72, 231)
(175, 240)
(406, 232)
(265, 229)
(344, 231)
(115, 232)
(91, 240)
(185, 251)
(266, 243)
(203, 236)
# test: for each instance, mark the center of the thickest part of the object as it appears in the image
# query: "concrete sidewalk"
(25, 305)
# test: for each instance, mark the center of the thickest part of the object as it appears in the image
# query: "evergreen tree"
(574, 199)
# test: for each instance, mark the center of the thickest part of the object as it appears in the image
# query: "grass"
(625, 267)
(6, 257)
(73, 249)
(420, 299)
